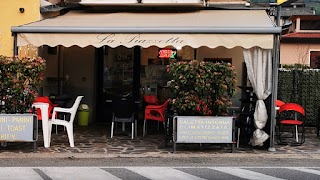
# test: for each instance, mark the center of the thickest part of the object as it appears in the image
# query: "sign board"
(18, 127)
(204, 129)
(168, 53)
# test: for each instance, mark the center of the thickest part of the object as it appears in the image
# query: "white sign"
(204, 129)
(18, 127)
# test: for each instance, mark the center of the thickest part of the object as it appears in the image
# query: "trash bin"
(83, 115)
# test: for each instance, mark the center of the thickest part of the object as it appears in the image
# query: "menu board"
(18, 127)
(204, 129)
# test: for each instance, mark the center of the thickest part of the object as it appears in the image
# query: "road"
(183, 168)
(217, 161)
(159, 173)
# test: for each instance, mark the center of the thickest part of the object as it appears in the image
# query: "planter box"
(203, 129)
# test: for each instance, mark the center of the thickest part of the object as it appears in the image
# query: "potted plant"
(20, 79)
(202, 88)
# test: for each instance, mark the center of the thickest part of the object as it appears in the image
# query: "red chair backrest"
(292, 107)
(151, 99)
(156, 112)
(164, 106)
(279, 103)
(44, 99)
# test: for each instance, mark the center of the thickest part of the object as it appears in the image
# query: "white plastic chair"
(68, 124)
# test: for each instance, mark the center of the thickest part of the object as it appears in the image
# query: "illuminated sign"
(168, 53)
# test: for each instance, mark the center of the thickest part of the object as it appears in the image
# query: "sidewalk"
(95, 142)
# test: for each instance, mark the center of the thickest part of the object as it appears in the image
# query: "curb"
(9, 155)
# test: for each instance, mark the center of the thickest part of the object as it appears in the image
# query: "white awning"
(211, 28)
(44, 3)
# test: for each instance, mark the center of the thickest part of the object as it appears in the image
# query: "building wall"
(77, 74)
(79, 65)
(50, 86)
(296, 53)
(11, 16)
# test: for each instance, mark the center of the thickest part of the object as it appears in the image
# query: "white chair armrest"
(59, 109)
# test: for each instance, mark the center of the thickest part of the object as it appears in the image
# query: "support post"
(15, 44)
(174, 133)
(275, 65)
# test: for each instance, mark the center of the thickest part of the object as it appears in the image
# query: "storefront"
(126, 45)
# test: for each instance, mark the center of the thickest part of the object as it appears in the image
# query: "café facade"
(100, 55)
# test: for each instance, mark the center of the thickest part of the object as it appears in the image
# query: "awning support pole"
(275, 65)
(15, 43)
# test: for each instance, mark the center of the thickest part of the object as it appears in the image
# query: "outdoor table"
(45, 121)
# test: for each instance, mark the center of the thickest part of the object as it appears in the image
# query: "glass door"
(118, 73)
(115, 72)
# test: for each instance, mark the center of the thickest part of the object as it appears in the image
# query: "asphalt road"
(161, 161)
(52, 167)
(159, 173)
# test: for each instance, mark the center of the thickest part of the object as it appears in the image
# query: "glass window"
(310, 25)
(315, 59)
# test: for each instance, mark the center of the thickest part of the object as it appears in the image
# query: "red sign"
(165, 53)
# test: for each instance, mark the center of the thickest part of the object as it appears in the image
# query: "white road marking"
(19, 173)
(312, 171)
(163, 173)
(154, 173)
(78, 173)
(243, 173)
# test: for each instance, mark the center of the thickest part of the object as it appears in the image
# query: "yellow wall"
(11, 16)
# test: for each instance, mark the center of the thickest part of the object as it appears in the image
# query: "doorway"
(118, 76)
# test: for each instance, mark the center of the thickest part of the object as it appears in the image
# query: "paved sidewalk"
(94, 141)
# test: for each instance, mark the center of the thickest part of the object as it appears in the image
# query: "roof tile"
(301, 35)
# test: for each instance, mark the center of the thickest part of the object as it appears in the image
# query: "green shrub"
(202, 88)
(20, 79)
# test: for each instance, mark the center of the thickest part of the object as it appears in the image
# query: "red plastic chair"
(279, 103)
(155, 113)
(45, 99)
(292, 115)
(151, 99)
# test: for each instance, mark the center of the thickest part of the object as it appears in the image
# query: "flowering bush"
(20, 79)
(202, 88)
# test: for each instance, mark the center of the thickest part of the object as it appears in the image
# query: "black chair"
(123, 111)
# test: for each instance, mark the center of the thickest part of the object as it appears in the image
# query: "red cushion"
(291, 122)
